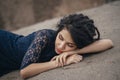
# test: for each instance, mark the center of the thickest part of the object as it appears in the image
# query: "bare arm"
(97, 46)
(36, 68)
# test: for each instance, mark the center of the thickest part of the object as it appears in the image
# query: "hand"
(75, 58)
(61, 59)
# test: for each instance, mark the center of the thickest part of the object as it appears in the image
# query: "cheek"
(57, 41)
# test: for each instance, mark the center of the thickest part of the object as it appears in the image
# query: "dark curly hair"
(81, 28)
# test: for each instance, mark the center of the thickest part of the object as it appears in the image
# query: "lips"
(59, 51)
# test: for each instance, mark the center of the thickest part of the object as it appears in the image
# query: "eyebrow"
(67, 41)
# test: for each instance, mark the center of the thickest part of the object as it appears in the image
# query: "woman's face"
(64, 42)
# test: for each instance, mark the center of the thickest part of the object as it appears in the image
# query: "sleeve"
(34, 50)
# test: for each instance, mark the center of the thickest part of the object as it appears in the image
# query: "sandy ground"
(101, 66)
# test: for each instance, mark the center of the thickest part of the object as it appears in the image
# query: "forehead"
(66, 35)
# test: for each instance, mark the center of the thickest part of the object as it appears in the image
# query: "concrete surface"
(102, 66)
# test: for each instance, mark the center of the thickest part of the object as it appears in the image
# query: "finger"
(65, 58)
(58, 60)
(53, 58)
(80, 57)
(61, 60)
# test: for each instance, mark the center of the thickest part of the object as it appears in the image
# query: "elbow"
(110, 43)
(23, 74)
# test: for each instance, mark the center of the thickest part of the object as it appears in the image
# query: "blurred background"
(15, 14)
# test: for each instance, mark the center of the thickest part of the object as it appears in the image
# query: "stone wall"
(16, 14)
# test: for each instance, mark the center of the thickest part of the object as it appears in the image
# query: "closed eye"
(70, 45)
(60, 37)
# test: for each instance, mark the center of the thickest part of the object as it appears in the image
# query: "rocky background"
(15, 14)
(100, 66)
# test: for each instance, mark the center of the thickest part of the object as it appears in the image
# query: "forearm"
(36, 68)
(97, 46)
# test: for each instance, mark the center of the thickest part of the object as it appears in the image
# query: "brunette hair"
(81, 28)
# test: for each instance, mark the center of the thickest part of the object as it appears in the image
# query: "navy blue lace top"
(41, 47)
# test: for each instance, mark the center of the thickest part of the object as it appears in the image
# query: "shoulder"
(49, 33)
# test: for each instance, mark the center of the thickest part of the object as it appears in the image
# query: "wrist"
(54, 64)
(77, 51)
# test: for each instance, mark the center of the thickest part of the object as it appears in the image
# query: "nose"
(62, 45)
